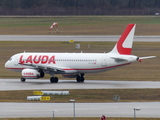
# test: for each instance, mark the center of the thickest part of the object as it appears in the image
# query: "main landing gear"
(80, 78)
(54, 79)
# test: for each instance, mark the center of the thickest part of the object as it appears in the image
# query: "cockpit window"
(10, 59)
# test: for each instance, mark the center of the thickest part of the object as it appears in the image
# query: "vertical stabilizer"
(124, 44)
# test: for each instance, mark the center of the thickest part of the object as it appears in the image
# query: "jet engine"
(32, 74)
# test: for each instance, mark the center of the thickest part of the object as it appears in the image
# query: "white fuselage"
(69, 62)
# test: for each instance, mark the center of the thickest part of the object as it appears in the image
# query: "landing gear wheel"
(23, 79)
(56, 79)
(80, 78)
(53, 79)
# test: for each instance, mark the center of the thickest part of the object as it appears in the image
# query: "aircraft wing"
(45, 67)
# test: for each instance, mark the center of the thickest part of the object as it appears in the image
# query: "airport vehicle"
(74, 65)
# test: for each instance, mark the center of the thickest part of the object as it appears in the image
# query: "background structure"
(79, 7)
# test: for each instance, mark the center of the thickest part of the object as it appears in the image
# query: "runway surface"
(125, 109)
(16, 84)
(74, 37)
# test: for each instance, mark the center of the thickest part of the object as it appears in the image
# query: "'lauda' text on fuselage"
(36, 59)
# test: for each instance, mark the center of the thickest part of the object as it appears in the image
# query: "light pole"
(73, 101)
(135, 109)
(53, 113)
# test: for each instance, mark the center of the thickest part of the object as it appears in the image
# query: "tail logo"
(124, 45)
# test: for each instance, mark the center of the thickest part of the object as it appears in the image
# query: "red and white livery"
(36, 65)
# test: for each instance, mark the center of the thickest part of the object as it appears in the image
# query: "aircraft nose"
(6, 64)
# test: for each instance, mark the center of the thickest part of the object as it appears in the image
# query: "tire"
(51, 79)
(78, 78)
(42, 74)
(82, 79)
(54, 79)
(23, 79)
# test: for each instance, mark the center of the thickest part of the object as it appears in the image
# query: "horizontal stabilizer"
(141, 58)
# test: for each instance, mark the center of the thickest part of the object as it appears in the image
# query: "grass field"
(87, 96)
(79, 25)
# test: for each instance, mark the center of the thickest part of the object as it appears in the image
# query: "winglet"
(124, 44)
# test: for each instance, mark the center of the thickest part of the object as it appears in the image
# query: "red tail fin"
(124, 44)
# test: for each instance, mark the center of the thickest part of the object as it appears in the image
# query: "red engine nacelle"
(32, 74)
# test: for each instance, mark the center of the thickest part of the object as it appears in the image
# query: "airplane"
(75, 65)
